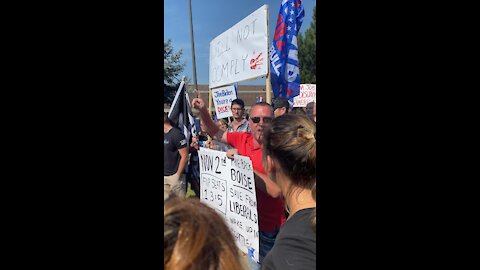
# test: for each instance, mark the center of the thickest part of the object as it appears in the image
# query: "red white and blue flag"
(284, 68)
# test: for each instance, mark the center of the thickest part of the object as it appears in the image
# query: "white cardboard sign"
(222, 99)
(241, 52)
(228, 186)
(308, 93)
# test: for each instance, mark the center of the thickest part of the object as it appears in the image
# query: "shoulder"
(177, 133)
(295, 246)
(236, 137)
(245, 124)
(301, 222)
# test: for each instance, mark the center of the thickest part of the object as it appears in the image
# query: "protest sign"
(241, 52)
(222, 99)
(308, 93)
(229, 187)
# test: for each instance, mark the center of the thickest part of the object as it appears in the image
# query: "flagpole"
(268, 85)
(210, 102)
(193, 48)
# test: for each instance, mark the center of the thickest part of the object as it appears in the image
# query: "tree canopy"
(307, 53)
(172, 67)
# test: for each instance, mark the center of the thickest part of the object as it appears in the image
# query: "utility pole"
(268, 84)
(193, 50)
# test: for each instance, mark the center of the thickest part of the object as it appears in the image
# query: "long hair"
(291, 140)
(196, 237)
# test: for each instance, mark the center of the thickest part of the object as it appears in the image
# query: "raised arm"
(212, 129)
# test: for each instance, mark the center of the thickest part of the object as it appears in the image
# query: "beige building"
(248, 93)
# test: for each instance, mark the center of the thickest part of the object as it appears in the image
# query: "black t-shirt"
(172, 141)
(295, 246)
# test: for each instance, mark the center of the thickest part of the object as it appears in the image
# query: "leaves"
(307, 52)
(172, 67)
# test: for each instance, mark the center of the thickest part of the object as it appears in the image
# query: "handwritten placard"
(222, 99)
(241, 52)
(308, 93)
(229, 187)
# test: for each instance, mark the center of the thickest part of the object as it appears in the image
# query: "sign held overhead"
(241, 52)
(222, 99)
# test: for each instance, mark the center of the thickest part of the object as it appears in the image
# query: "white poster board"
(222, 99)
(241, 52)
(308, 93)
(228, 186)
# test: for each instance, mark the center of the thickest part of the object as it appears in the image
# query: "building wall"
(247, 93)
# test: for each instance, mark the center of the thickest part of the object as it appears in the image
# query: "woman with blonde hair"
(289, 158)
(197, 237)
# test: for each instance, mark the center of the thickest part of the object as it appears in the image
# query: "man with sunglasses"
(239, 123)
(270, 205)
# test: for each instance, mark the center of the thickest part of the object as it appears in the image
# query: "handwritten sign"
(241, 52)
(222, 99)
(308, 93)
(229, 187)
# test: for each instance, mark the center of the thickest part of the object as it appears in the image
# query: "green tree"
(172, 67)
(307, 52)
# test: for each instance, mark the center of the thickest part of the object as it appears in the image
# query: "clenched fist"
(232, 152)
(198, 103)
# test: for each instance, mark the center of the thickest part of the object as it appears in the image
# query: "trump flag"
(284, 69)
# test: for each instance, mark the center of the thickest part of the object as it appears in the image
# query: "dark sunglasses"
(266, 120)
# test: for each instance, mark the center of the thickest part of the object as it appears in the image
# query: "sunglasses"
(266, 120)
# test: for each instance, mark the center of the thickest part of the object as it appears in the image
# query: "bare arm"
(212, 129)
(264, 183)
(183, 160)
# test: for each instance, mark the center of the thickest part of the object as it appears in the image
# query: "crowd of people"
(281, 143)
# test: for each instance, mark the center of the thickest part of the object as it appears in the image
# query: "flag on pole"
(181, 114)
(284, 68)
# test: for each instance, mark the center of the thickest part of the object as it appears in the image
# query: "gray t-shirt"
(295, 246)
(172, 141)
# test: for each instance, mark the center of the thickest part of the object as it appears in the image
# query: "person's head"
(238, 108)
(298, 110)
(280, 106)
(166, 120)
(261, 115)
(196, 237)
(289, 149)
(315, 112)
(222, 124)
(310, 107)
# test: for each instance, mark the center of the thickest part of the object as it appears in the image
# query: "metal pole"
(268, 85)
(193, 47)
(210, 101)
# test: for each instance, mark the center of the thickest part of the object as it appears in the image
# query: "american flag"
(181, 114)
(285, 72)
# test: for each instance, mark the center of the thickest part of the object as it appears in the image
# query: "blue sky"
(210, 19)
